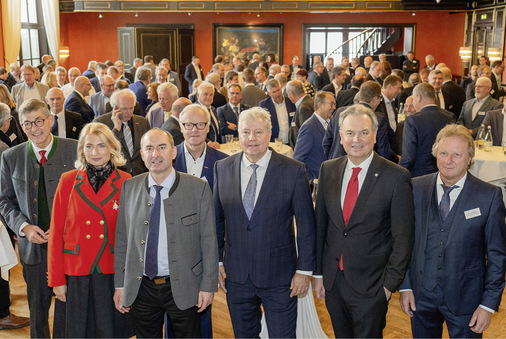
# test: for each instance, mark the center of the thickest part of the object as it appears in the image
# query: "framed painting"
(243, 40)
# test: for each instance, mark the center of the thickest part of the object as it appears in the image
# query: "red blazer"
(85, 245)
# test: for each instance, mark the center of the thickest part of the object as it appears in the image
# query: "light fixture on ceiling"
(100, 16)
(494, 54)
(438, 1)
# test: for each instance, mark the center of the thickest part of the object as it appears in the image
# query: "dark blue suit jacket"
(212, 155)
(263, 248)
(190, 75)
(268, 104)
(226, 114)
(140, 91)
(76, 103)
(474, 261)
(308, 148)
(420, 131)
(96, 84)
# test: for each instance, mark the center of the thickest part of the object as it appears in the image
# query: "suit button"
(345, 233)
(191, 221)
(143, 242)
(421, 272)
(140, 260)
(249, 229)
(88, 222)
(88, 236)
(34, 200)
(139, 278)
(101, 222)
(439, 268)
(34, 216)
(101, 236)
(37, 166)
(150, 204)
(35, 183)
(146, 223)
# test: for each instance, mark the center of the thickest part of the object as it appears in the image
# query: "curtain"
(51, 13)
(11, 27)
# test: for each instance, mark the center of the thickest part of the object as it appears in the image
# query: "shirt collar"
(364, 165)
(321, 120)
(459, 183)
(297, 104)
(186, 152)
(47, 148)
(263, 162)
(167, 183)
(483, 100)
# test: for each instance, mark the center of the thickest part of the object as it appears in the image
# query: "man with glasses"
(228, 115)
(30, 173)
(172, 124)
(29, 88)
(167, 94)
(127, 128)
(98, 101)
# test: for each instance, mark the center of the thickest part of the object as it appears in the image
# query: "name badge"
(291, 114)
(475, 212)
(481, 113)
(293, 124)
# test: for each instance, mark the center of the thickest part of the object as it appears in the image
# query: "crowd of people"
(126, 208)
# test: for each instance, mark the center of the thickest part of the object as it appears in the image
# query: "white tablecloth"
(8, 258)
(285, 149)
(489, 166)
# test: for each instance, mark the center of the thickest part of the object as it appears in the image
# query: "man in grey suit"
(127, 128)
(251, 95)
(474, 110)
(153, 276)
(495, 119)
(29, 175)
(304, 108)
(172, 124)
(29, 88)
(98, 101)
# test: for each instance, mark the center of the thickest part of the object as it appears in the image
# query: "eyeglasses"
(189, 125)
(29, 124)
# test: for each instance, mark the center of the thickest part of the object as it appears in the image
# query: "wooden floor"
(398, 325)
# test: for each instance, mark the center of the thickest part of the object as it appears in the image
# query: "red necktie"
(349, 201)
(42, 157)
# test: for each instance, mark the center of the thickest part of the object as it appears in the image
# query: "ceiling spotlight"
(438, 1)
(136, 14)
(258, 14)
(413, 13)
(100, 16)
(189, 13)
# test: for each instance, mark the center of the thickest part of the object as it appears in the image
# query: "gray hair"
(454, 130)
(205, 85)
(272, 83)
(33, 105)
(255, 113)
(426, 91)
(143, 74)
(122, 93)
(358, 110)
(195, 107)
(295, 87)
(213, 78)
(5, 113)
(169, 87)
(60, 69)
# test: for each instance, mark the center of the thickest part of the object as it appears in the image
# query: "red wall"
(91, 38)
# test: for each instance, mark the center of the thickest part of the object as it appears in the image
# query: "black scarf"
(98, 176)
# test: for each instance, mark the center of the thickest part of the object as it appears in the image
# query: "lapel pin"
(74, 129)
(375, 174)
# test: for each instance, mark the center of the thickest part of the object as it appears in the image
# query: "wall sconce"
(100, 16)
(136, 14)
(64, 52)
(494, 54)
(465, 53)
(480, 52)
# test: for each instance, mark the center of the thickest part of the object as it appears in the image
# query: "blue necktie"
(444, 205)
(54, 129)
(249, 195)
(151, 265)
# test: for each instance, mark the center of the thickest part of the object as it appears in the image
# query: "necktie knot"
(43, 158)
(444, 205)
(157, 188)
(356, 171)
(448, 189)
(254, 166)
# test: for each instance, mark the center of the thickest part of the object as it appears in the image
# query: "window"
(33, 34)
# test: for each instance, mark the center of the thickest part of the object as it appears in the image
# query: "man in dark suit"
(375, 73)
(29, 176)
(172, 125)
(281, 110)
(261, 77)
(315, 77)
(90, 71)
(127, 128)
(193, 71)
(364, 239)
(309, 148)
(140, 88)
(228, 115)
(14, 75)
(205, 97)
(99, 101)
(327, 75)
(251, 95)
(337, 83)
(420, 131)
(457, 269)
(410, 66)
(495, 118)
(137, 63)
(66, 124)
(304, 108)
(484, 71)
(473, 75)
(255, 61)
(100, 71)
(257, 193)
(345, 97)
(474, 110)
(294, 67)
(75, 101)
(218, 98)
(123, 75)
(454, 94)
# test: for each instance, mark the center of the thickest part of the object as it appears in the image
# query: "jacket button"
(35, 183)
(140, 260)
(34, 200)
(36, 166)
(139, 278)
(101, 222)
(150, 204)
(345, 233)
(88, 222)
(34, 216)
(146, 223)
(101, 236)
(143, 242)
(88, 236)
(191, 221)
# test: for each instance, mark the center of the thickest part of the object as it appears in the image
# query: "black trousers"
(148, 310)
(355, 316)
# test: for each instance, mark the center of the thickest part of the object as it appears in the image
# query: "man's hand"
(387, 293)
(299, 285)
(115, 118)
(318, 288)
(480, 320)
(205, 299)
(221, 278)
(118, 302)
(231, 126)
(61, 292)
(35, 234)
(407, 301)
(214, 144)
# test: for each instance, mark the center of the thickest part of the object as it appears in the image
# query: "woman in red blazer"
(81, 237)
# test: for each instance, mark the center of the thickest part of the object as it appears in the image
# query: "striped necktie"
(128, 138)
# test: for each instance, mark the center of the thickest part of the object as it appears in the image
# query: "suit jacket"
(212, 155)
(214, 127)
(173, 78)
(76, 250)
(172, 126)
(466, 115)
(76, 103)
(98, 103)
(73, 124)
(302, 113)
(309, 148)
(11, 81)
(370, 78)
(268, 104)
(376, 242)
(227, 114)
(140, 91)
(218, 99)
(89, 74)
(129, 77)
(325, 78)
(316, 80)
(134, 164)
(156, 117)
(495, 119)
(19, 182)
(254, 65)
(95, 82)
(454, 97)
(420, 131)
(494, 92)
(18, 92)
(190, 75)
(263, 247)
(474, 256)
(346, 97)
(191, 230)
(252, 95)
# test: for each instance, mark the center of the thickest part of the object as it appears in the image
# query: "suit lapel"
(207, 168)
(336, 213)
(426, 201)
(137, 137)
(235, 177)
(459, 205)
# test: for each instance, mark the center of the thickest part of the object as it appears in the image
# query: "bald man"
(67, 124)
(76, 103)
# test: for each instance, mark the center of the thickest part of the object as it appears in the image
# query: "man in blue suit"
(459, 261)
(420, 131)
(228, 115)
(139, 87)
(98, 101)
(257, 193)
(309, 148)
(281, 109)
(75, 101)
(193, 71)
(100, 71)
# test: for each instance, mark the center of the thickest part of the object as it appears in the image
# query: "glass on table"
(278, 144)
(229, 138)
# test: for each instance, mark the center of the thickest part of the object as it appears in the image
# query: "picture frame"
(243, 40)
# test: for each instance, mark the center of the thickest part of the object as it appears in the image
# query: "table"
(285, 149)
(489, 166)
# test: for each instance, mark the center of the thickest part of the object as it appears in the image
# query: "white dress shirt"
(284, 126)
(322, 121)
(62, 132)
(477, 105)
(361, 175)
(194, 166)
(390, 112)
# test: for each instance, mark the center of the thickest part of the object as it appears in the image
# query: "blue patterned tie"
(249, 195)
(444, 205)
(127, 133)
(151, 265)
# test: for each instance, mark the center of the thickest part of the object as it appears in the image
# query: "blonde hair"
(48, 78)
(459, 131)
(6, 97)
(110, 141)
